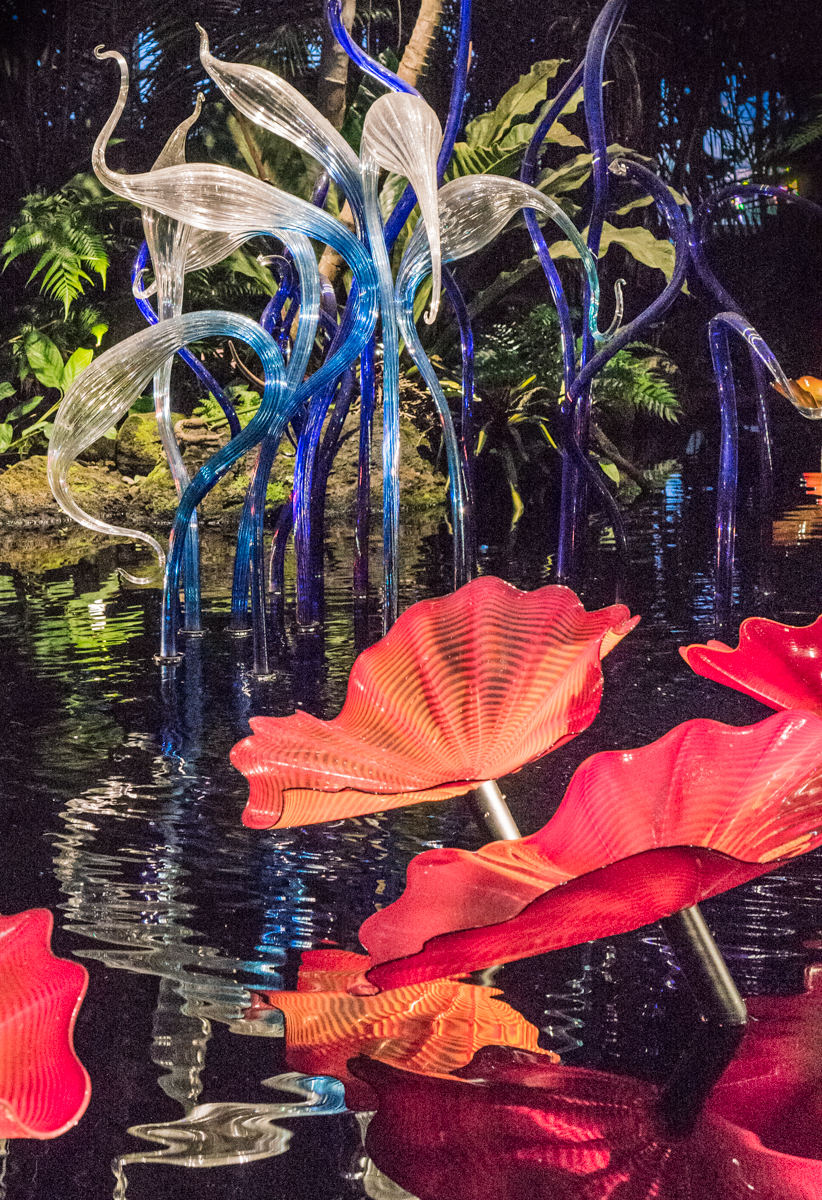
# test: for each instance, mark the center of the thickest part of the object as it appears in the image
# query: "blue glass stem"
(368, 394)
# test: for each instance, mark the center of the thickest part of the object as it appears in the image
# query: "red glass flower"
(44, 1088)
(526, 1127)
(781, 665)
(432, 1028)
(639, 835)
(462, 689)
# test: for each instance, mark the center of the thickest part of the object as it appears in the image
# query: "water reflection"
(221, 1135)
(121, 806)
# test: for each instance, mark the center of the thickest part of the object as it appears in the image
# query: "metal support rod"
(723, 1014)
(495, 812)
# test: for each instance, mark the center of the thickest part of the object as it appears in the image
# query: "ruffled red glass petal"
(781, 665)
(524, 1127)
(432, 1028)
(462, 689)
(639, 835)
(44, 1088)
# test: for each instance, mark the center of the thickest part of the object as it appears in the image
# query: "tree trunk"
(334, 71)
(411, 69)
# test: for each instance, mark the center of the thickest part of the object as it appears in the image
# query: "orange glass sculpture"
(526, 1127)
(781, 665)
(639, 835)
(44, 1088)
(432, 1028)
(805, 392)
(462, 689)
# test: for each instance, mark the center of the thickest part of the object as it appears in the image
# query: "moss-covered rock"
(25, 495)
(139, 447)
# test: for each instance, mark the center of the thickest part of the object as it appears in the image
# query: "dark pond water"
(121, 813)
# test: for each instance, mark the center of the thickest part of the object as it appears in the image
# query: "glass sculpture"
(512, 1124)
(711, 806)
(44, 1088)
(461, 690)
(781, 665)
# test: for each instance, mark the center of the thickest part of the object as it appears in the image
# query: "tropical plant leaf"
(75, 366)
(62, 229)
(21, 410)
(519, 101)
(243, 263)
(6, 435)
(6, 390)
(640, 243)
(45, 359)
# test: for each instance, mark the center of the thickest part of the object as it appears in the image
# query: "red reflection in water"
(463, 689)
(514, 1126)
(639, 835)
(781, 665)
(44, 1088)
(432, 1028)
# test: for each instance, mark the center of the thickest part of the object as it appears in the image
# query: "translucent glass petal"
(268, 100)
(401, 133)
(108, 388)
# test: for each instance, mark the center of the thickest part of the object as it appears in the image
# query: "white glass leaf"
(216, 200)
(269, 101)
(473, 210)
(107, 389)
(401, 133)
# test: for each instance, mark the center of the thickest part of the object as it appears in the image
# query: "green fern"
(60, 227)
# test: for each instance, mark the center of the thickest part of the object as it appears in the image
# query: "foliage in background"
(519, 389)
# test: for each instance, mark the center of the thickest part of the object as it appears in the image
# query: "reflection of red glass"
(773, 1087)
(813, 483)
(432, 1028)
(639, 835)
(44, 1089)
(781, 665)
(523, 1127)
(462, 689)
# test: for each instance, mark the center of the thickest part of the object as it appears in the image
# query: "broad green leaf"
(99, 332)
(640, 202)
(75, 366)
(6, 390)
(6, 435)
(638, 241)
(245, 264)
(111, 434)
(518, 101)
(22, 409)
(44, 359)
(610, 470)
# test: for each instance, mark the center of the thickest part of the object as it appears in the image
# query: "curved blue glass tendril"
(249, 559)
(333, 12)
(466, 431)
(528, 174)
(698, 230)
(208, 381)
(368, 396)
(718, 330)
(272, 417)
(678, 231)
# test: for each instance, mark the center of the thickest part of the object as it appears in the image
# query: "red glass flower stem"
(723, 1012)
(721, 1007)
